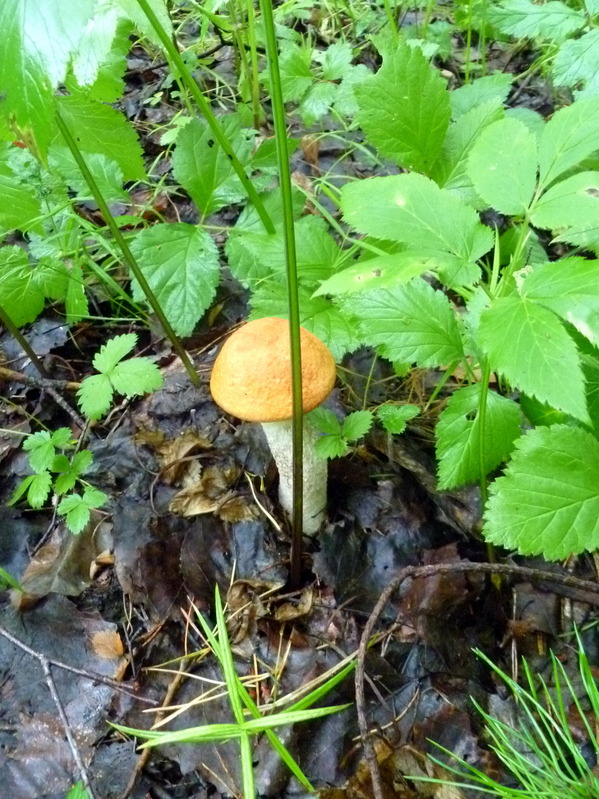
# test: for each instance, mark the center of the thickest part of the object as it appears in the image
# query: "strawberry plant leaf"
(331, 446)
(458, 434)
(503, 166)
(356, 424)
(180, 262)
(113, 351)
(325, 421)
(62, 437)
(70, 470)
(571, 202)
(491, 89)
(576, 65)
(529, 346)
(547, 502)
(21, 298)
(569, 137)
(95, 395)
(76, 512)
(135, 376)
(404, 109)
(394, 418)
(524, 19)
(202, 167)
(39, 489)
(411, 323)
(570, 289)
(20, 490)
(41, 450)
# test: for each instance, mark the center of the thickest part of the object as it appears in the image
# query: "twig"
(38, 382)
(536, 575)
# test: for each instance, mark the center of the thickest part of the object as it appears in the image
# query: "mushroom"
(251, 379)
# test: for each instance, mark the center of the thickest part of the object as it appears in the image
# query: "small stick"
(38, 382)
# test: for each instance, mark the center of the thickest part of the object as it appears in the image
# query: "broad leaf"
(296, 75)
(114, 351)
(106, 172)
(503, 166)
(411, 323)
(527, 20)
(458, 432)
(336, 60)
(576, 65)
(492, 89)
(571, 202)
(547, 503)
(569, 137)
(133, 11)
(180, 262)
(404, 109)
(317, 101)
(529, 346)
(41, 449)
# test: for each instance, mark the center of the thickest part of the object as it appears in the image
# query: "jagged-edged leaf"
(356, 424)
(95, 395)
(503, 165)
(461, 455)
(491, 88)
(336, 60)
(404, 109)
(100, 61)
(394, 418)
(296, 74)
(180, 263)
(569, 137)
(113, 351)
(106, 172)
(527, 20)
(529, 346)
(576, 64)
(135, 376)
(571, 202)
(133, 11)
(317, 101)
(39, 489)
(411, 323)
(41, 449)
(20, 209)
(547, 502)
(21, 294)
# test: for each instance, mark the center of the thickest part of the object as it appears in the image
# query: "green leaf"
(317, 101)
(569, 137)
(39, 489)
(411, 323)
(336, 60)
(20, 208)
(135, 376)
(296, 75)
(553, 21)
(202, 167)
(75, 300)
(459, 434)
(106, 172)
(113, 351)
(62, 437)
(490, 90)
(20, 297)
(93, 497)
(356, 424)
(98, 128)
(331, 446)
(70, 470)
(77, 792)
(576, 65)
(180, 263)
(413, 210)
(345, 102)
(404, 109)
(547, 503)
(41, 450)
(325, 421)
(394, 418)
(95, 395)
(571, 202)
(528, 345)
(100, 62)
(132, 10)
(75, 511)
(20, 491)
(569, 288)
(503, 166)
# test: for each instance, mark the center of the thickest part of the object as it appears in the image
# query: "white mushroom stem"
(279, 437)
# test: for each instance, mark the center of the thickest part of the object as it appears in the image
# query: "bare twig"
(38, 382)
(535, 575)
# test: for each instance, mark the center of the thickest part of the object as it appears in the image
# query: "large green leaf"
(503, 166)
(413, 210)
(524, 19)
(106, 172)
(569, 137)
(492, 88)
(547, 503)
(576, 64)
(411, 323)
(571, 202)
(529, 346)
(20, 209)
(100, 63)
(404, 109)
(180, 262)
(570, 288)
(23, 288)
(459, 433)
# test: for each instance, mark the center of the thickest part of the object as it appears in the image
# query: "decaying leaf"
(107, 644)
(174, 454)
(211, 494)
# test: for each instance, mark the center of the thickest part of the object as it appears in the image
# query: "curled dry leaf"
(211, 494)
(107, 644)
(175, 455)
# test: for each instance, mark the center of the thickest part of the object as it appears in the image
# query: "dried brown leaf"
(107, 644)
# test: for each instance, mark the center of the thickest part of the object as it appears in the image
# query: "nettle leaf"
(413, 210)
(524, 19)
(95, 395)
(180, 262)
(356, 424)
(529, 346)
(492, 89)
(135, 377)
(411, 323)
(20, 208)
(99, 128)
(20, 297)
(404, 109)
(202, 167)
(576, 65)
(503, 166)
(547, 502)
(113, 351)
(459, 432)
(569, 288)
(394, 418)
(571, 202)
(106, 172)
(569, 137)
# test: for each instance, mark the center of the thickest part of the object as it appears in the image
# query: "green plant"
(249, 719)
(336, 436)
(55, 472)
(77, 792)
(540, 752)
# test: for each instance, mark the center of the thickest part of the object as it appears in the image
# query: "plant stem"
(22, 341)
(278, 108)
(127, 254)
(175, 57)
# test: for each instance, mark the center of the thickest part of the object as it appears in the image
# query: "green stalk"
(127, 254)
(254, 79)
(278, 109)
(175, 57)
(22, 341)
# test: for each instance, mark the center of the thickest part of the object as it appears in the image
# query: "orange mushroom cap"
(251, 377)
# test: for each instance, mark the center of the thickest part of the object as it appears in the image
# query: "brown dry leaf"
(310, 145)
(107, 644)
(236, 509)
(174, 454)
(208, 494)
(289, 611)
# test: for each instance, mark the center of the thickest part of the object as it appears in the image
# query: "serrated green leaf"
(541, 414)
(202, 167)
(553, 20)
(459, 434)
(133, 11)
(98, 128)
(296, 75)
(394, 418)
(180, 263)
(70, 470)
(411, 323)
(569, 288)
(93, 497)
(100, 62)
(356, 425)
(336, 60)
(345, 102)
(64, 482)
(75, 511)
(528, 345)
(41, 450)
(75, 300)
(113, 351)
(62, 437)
(489, 90)
(547, 502)
(95, 395)
(39, 489)
(404, 109)
(21, 298)
(413, 210)
(77, 792)
(20, 208)
(503, 166)
(317, 101)
(532, 119)
(331, 446)
(571, 202)
(20, 491)
(569, 137)
(135, 376)
(325, 421)
(576, 65)
(107, 174)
